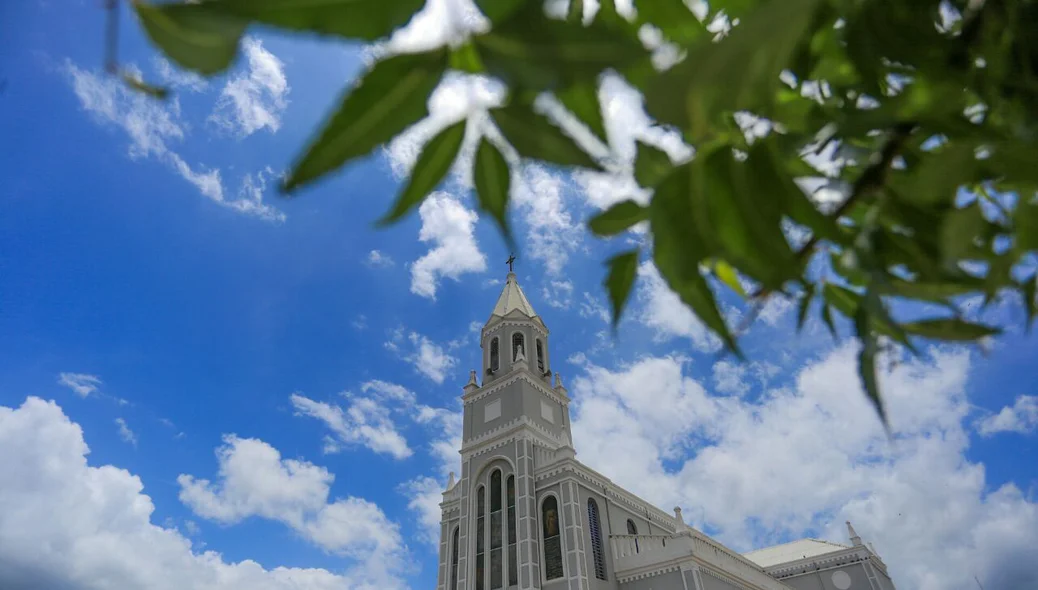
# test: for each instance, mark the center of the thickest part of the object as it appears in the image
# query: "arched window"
(596, 539)
(480, 527)
(495, 355)
(496, 565)
(517, 343)
(551, 526)
(513, 563)
(454, 561)
(540, 356)
(632, 529)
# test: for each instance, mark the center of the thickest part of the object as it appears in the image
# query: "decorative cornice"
(539, 326)
(523, 373)
(657, 571)
(522, 428)
(846, 556)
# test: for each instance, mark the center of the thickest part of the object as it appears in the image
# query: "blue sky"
(283, 379)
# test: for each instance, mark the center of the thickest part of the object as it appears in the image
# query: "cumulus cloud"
(425, 493)
(81, 383)
(253, 480)
(450, 226)
(429, 359)
(256, 98)
(152, 127)
(1021, 417)
(70, 525)
(177, 78)
(558, 293)
(799, 461)
(552, 233)
(363, 422)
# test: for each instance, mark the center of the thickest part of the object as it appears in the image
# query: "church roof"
(792, 551)
(512, 298)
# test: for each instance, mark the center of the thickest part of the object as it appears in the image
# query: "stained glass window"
(513, 563)
(480, 524)
(596, 538)
(454, 561)
(550, 527)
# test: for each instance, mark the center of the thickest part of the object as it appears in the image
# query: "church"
(526, 514)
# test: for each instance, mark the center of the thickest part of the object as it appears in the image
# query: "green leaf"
(939, 174)
(827, 317)
(493, 180)
(466, 59)
(499, 10)
(740, 72)
(952, 329)
(959, 229)
(678, 250)
(195, 39)
(384, 102)
(1025, 220)
(805, 303)
(534, 51)
(143, 87)
(867, 363)
(433, 164)
(533, 136)
(673, 18)
(623, 269)
(938, 292)
(1029, 291)
(618, 218)
(727, 275)
(366, 20)
(582, 100)
(576, 11)
(651, 165)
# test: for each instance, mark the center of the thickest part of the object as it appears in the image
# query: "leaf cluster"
(914, 119)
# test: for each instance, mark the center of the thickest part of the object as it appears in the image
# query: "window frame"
(540, 535)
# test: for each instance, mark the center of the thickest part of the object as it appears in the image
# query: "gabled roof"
(512, 299)
(792, 551)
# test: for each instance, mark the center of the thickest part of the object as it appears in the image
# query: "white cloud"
(593, 308)
(253, 480)
(663, 311)
(429, 359)
(254, 99)
(558, 293)
(800, 461)
(729, 377)
(125, 433)
(552, 233)
(450, 226)
(74, 526)
(152, 125)
(177, 78)
(1021, 417)
(365, 422)
(424, 495)
(81, 383)
(378, 258)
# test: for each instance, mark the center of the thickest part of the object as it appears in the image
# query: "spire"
(450, 482)
(855, 539)
(512, 298)
(679, 521)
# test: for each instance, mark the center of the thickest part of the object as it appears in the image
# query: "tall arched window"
(513, 563)
(454, 561)
(481, 506)
(551, 526)
(495, 354)
(596, 538)
(496, 565)
(517, 343)
(632, 529)
(540, 356)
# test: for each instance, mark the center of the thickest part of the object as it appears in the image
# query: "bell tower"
(516, 410)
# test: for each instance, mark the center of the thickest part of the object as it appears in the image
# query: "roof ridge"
(817, 540)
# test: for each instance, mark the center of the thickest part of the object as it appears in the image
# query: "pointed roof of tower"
(512, 298)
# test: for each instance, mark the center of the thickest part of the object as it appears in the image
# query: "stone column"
(573, 515)
(526, 513)
(466, 525)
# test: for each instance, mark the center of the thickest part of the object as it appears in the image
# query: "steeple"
(512, 299)
(855, 539)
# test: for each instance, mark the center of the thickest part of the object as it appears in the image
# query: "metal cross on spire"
(510, 261)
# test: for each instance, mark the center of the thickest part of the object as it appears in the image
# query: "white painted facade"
(526, 514)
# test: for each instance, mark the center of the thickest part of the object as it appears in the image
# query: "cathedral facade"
(526, 514)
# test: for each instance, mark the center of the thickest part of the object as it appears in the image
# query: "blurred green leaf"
(727, 275)
(196, 39)
(159, 92)
(623, 270)
(493, 181)
(432, 165)
(673, 18)
(1026, 221)
(499, 10)
(952, 329)
(533, 136)
(805, 303)
(734, 74)
(386, 100)
(575, 14)
(582, 100)
(867, 363)
(533, 51)
(465, 58)
(618, 218)
(827, 317)
(678, 250)
(650, 165)
(366, 20)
